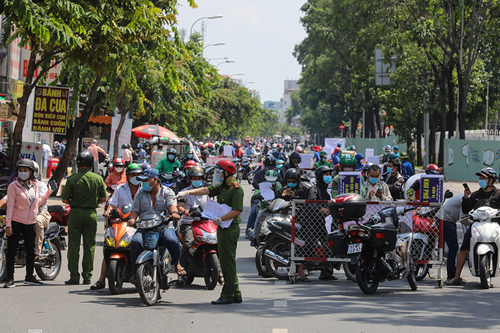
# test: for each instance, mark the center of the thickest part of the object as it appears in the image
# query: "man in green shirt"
(322, 160)
(169, 163)
(84, 192)
(228, 192)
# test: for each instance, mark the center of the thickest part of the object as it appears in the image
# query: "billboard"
(50, 110)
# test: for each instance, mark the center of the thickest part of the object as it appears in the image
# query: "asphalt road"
(268, 305)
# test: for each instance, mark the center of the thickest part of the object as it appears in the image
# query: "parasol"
(148, 131)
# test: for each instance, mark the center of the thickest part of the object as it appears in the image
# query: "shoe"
(223, 301)
(253, 242)
(33, 281)
(238, 300)
(9, 284)
(97, 286)
(72, 282)
(86, 282)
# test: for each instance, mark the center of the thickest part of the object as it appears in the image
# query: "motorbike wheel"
(147, 284)
(366, 281)
(211, 271)
(250, 177)
(350, 271)
(260, 263)
(46, 272)
(484, 271)
(277, 269)
(412, 280)
(3, 262)
(115, 276)
(421, 271)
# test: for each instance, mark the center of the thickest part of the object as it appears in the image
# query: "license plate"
(354, 248)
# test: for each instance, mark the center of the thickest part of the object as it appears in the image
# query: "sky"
(259, 35)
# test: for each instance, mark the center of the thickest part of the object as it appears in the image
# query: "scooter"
(117, 240)
(202, 260)
(59, 214)
(169, 179)
(484, 259)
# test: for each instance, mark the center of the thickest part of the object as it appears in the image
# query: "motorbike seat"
(287, 226)
(56, 209)
(51, 228)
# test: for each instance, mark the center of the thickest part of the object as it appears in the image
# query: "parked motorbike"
(104, 168)
(209, 174)
(202, 260)
(153, 263)
(117, 240)
(49, 264)
(484, 259)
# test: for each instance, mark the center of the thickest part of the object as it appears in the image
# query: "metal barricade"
(309, 241)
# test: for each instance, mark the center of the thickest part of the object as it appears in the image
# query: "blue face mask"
(389, 170)
(323, 159)
(373, 181)
(146, 187)
(327, 179)
(134, 181)
(292, 185)
(189, 155)
(197, 183)
(171, 157)
(483, 183)
(187, 172)
(219, 177)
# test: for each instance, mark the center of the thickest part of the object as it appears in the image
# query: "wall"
(463, 158)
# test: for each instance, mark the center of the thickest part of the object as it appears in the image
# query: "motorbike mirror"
(448, 194)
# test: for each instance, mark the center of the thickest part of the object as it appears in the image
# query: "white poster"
(333, 142)
(228, 151)
(306, 161)
(328, 149)
(125, 134)
(373, 159)
(369, 152)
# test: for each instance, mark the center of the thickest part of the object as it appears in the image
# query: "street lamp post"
(236, 74)
(216, 44)
(201, 18)
(224, 62)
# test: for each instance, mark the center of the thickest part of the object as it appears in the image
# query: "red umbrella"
(147, 131)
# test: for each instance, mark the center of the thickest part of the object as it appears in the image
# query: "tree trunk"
(442, 102)
(123, 116)
(462, 103)
(420, 124)
(74, 132)
(452, 111)
(431, 150)
(378, 127)
(355, 116)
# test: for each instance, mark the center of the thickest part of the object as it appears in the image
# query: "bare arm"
(133, 217)
(199, 191)
(231, 215)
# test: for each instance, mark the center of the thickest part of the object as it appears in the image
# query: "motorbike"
(117, 240)
(153, 263)
(379, 252)
(484, 259)
(245, 168)
(202, 260)
(50, 261)
(209, 174)
(169, 179)
(104, 168)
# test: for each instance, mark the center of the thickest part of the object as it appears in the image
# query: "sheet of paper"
(373, 159)
(214, 210)
(228, 151)
(266, 191)
(329, 150)
(306, 161)
(328, 224)
(333, 142)
(369, 152)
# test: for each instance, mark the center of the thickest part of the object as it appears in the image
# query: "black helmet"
(320, 172)
(196, 171)
(172, 151)
(292, 173)
(295, 159)
(85, 159)
(270, 161)
(27, 163)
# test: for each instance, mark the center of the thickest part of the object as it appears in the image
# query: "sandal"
(98, 285)
(180, 272)
(303, 279)
(454, 282)
(328, 277)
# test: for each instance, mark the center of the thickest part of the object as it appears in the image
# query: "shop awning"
(101, 120)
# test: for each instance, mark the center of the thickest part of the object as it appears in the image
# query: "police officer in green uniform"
(84, 192)
(228, 192)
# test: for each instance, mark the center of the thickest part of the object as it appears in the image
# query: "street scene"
(249, 166)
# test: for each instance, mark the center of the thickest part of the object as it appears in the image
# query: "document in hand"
(214, 210)
(266, 191)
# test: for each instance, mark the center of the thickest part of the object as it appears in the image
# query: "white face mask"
(119, 169)
(23, 175)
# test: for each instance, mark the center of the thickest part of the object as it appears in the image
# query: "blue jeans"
(253, 215)
(450, 238)
(167, 238)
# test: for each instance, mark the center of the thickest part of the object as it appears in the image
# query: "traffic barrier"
(323, 240)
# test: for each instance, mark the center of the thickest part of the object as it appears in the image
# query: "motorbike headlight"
(125, 241)
(476, 234)
(483, 215)
(209, 238)
(110, 240)
(495, 235)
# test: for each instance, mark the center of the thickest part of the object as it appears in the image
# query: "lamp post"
(224, 62)
(236, 74)
(201, 18)
(216, 44)
(225, 58)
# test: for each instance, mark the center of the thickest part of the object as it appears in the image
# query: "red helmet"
(279, 145)
(203, 147)
(336, 149)
(238, 145)
(432, 168)
(189, 164)
(118, 162)
(228, 166)
(210, 145)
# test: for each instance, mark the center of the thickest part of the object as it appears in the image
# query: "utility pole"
(487, 99)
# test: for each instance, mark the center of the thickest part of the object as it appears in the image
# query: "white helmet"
(408, 191)
(36, 170)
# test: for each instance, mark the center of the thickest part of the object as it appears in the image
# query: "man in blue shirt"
(406, 167)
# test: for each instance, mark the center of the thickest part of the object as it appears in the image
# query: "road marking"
(280, 304)
(280, 330)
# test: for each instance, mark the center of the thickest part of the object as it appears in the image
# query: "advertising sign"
(432, 188)
(349, 182)
(32, 151)
(50, 111)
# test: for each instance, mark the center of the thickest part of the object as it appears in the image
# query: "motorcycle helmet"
(227, 165)
(196, 171)
(295, 159)
(118, 162)
(85, 159)
(139, 146)
(27, 163)
(134, 168)
(292, 173)
(210, 145)
(347, 161)
(387, 148)
(488, 172)
(323, 154)
(270, 162)
(238, 145)
(172, 151)
(353, 147)
(145, 166)
(271, 176)
(432, 169)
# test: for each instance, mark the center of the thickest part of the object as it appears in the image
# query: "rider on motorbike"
(189, 157)
(487, 195)
(169, 163)
(238, 152)
(118, 176)
(322, 160)
(376, 190)
(293, 162)
(184, 181)
(293, 188)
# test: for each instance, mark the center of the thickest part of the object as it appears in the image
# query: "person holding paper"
(375, 189)
(228, 192)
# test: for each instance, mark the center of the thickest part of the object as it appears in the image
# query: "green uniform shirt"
(84, 189)
(230, 194)
(166, 166)
(319, 163)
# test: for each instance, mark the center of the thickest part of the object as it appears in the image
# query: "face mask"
(23, 175)
(482, 182)
(323, 159)
(219, 177)
(271, 182)
(189, 155)
(64, 143)
(197, 183)
(327, 179)
(292, 185)
(373, 181)
(134, 181)
(119, 169)
(146, 187)
(171, 157)
(389, 170)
